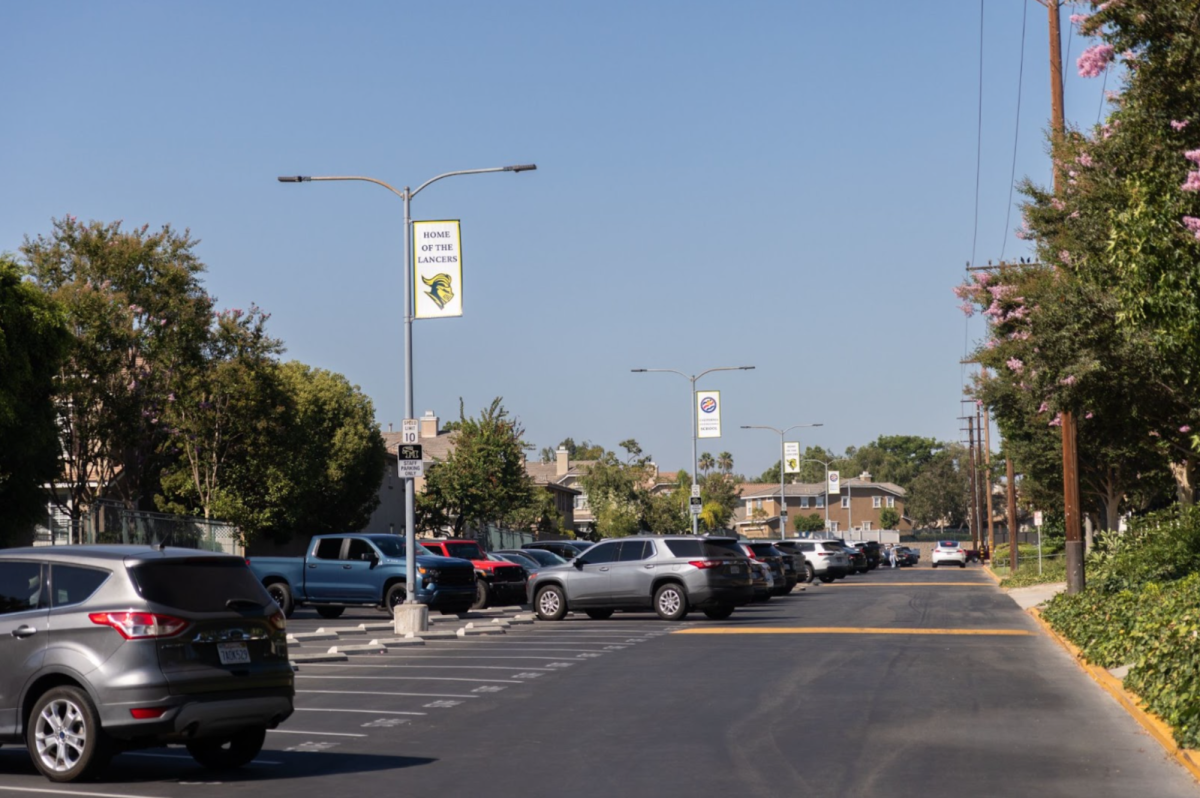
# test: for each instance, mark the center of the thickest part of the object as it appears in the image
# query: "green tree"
(895, 458)
(889, 518)
(941, 492)
(725, 462)
(136, 311)
(812, 522)
(483, 480)
(706, 463)
(33, 342)
(617, 491)
(719, 494)
(580, 451)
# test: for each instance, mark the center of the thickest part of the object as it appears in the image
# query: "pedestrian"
(891, 553)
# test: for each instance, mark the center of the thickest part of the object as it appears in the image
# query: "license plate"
(735, 569)
(233, 653)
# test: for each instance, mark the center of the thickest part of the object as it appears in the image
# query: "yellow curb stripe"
(911, 584)
(987, 569)
(1134, 705)
(843, 630)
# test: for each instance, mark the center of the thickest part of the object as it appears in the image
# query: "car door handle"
(24, 631)
(347, 567)
(647, 566)
(602, 568)
(312, 565)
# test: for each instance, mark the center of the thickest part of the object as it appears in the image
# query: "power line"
(1012, 178)
(978, 137)
(1103, 90)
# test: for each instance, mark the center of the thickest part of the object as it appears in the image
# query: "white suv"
(948, 551)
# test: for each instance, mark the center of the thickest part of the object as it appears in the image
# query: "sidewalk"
(1035, 595)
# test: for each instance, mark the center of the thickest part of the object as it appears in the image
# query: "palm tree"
(725, 462)
(706, 463)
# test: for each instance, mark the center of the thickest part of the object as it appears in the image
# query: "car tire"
(599, 615)
(395, 596)
(718, 613)
(483, 594)
(935, 565)
(826, 578)
(58, 714)
(282, 595)
(670, 602)
(962, 565)
(228, 753)
(330, 612)
(809, 573)
(550, 603)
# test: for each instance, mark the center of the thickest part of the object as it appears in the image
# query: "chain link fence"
(109, 522)
(492, 537)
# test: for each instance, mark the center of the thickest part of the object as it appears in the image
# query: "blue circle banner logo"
(708, 404)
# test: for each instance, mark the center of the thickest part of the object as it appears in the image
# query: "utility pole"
(972, 476)
(1075, 578)
(1012, 514)
(987, 469)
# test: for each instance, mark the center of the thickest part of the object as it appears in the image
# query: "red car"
(496, 583)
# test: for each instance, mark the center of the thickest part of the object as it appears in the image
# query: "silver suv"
(671, 574)
(109, 648)
(823, 559)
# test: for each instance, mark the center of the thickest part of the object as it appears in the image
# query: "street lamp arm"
(520, 168)
(662, 371)
(305, 179)
(723, 368)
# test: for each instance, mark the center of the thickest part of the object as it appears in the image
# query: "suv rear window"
(201, 584)
(467, 551)
(704, 549)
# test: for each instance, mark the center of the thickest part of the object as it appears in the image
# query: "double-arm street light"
(827, 464)
(692, 378)
(782, 468)
(417, 621)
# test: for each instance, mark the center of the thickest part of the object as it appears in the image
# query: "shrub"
(1160, 547)
(1054, 570)
(1098, 623)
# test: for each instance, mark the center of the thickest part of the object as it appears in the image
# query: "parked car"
(340, 571)
(764, 585)
(906, 556)
(858, 558)
(540, 556)
(874, 552)
(785, 576)
(823, 559)
(567, 549)
(528, 563)
(496, 583)
(105, 649)
(669, 574)
(948, 552)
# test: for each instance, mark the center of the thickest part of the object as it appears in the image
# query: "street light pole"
(692, 379)
(782, 465)
(418, 621)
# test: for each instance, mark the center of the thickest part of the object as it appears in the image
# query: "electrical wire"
(1103, 91)
(978, 137)
(1012, 178)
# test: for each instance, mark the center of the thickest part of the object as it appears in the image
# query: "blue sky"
(788, 185)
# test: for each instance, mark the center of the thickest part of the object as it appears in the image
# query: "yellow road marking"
(843, 630)
(913, 584)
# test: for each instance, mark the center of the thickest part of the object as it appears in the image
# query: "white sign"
(437, 269)
(835, 482)
(791, 458)
(695, 491)
(409, 461)
(409, 430)
(1037, 518)
(708, 414)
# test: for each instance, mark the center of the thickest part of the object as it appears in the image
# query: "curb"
(1153, 725)
(987, 569)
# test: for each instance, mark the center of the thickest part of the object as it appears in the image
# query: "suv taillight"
(278, 621)
(139, 625)
(705, 564)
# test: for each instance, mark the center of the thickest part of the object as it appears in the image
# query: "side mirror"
(578, 563)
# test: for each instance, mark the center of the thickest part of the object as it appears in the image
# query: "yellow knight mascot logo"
(439, 289)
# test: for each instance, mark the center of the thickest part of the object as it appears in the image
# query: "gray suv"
(671, 574)
(110, 648)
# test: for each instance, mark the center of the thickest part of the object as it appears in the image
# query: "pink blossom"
(1015, 364)
(962, 291)
(1111, 96)
(1094, 60)
(1154, 434)
(1192, 223)
(1021, 234)
(1069, 380)
(983, 278)
(1185, 428)
(1000, 291)
(1089, 414)
(1179, 125)
(1192, 155)
(967, 308)
(1058, 204)
(1073, 215)
(1192, 183)
(171, 397)
(1084, 160)
(1044, 407)
(1064, 256)
(1078, 19)
(1056, 421)
(992, 343)
(1020, 335)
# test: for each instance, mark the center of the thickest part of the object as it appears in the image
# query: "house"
(857, 507)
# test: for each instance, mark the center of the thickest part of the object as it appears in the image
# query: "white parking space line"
(189, 756)
(412, 678)
(528, 648)
(431, 657)
(375, 692)
(361, 711)
(47, 791)
(313, 733)
(423, 667)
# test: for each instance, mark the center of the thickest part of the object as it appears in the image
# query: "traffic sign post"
(410, 462)
(695, 504)
(409, 431)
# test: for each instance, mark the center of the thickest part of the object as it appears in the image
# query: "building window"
(845, 501)
(891, 501)
(833, 526)
(758, 504)
(803, 502)
(866, 526)
(820, 501)
(581, 502)
(876, 502)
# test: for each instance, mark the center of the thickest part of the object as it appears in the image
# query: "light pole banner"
(708, 415)
(835, 482)
(437, 269)
(791, 458)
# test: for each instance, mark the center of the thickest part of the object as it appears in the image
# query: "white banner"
(791, 458)
(708, 414)
(835, 482)
(437, 269)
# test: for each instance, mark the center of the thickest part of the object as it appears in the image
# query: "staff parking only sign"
(708, 414)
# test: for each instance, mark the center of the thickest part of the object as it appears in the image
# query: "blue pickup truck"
(342, 571)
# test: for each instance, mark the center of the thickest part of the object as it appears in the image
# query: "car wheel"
(395, 596)
(282, 595)
(826, 578)
(228, 753)
(670, 602)
(718, 613)
(550, 604)
(934, 565)
(330, 612)
(599, 615)
(962, 565)
(483, 594)
(64, 736)
(809, 572)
